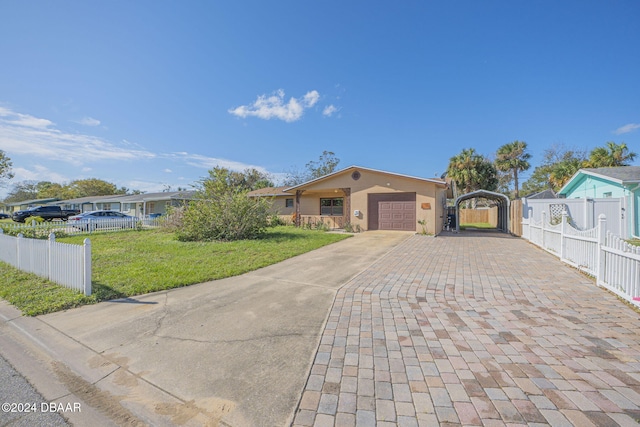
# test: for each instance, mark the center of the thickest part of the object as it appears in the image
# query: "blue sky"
(147, 94)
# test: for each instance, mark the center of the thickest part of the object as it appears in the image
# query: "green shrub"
(231, 216)
(173, 220)
(349, 228)
(29, 220)
(320, 225)
(275, 221)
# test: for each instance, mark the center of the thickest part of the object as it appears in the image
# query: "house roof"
(331, 175)
(80, 200)
(546, 194)
(148, 197)
(620, 175)
(32, 202)
(269, 192)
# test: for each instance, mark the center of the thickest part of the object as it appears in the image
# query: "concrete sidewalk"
(232, 352)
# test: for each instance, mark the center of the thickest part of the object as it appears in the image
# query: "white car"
(89, 221)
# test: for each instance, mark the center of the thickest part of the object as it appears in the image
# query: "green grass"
(634, 242)
(482, 225)
(137, 262)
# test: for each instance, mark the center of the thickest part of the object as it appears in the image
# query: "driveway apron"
(474, 329)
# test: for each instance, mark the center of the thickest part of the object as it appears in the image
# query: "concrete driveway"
(474, 329)
(231, 352)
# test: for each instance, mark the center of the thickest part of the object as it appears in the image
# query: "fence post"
(544, 220)
(562, 231)
(530, 221)
(602, 233)
(52, 239)
(18, 240)
(87, 267)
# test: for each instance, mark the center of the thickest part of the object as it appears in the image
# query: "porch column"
(346, 214)
(298, 194)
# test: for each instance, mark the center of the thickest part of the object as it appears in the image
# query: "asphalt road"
(25, 407)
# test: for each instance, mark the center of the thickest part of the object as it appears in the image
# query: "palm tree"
(463, 169)
(610, 156)
(513, 158)
(472, 171)
(561, 172)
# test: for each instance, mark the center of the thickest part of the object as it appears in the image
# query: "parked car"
(94, 220)
(48, 213)
(4, 215)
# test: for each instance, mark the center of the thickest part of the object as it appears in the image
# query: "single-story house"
(82, 204)
(365, 199)
(26, 204)
(139, 205)
(621, 182)
(145, 204)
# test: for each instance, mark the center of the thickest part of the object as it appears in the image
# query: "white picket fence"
(612, 261)
(63, 263)
(71, 228)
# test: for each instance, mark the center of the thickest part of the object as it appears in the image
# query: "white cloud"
(627, 128)
(22, 120)
(88, 121)
(205, 162)
(274, 106)
(28, 135)
(43, 143)
(329, 110)
(37, 173)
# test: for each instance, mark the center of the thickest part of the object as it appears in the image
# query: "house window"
(332, 207)
(607, 194)
(288, 203)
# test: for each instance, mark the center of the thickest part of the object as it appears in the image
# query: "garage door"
(395, 211)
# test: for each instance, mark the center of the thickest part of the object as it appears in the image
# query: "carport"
(501, 200)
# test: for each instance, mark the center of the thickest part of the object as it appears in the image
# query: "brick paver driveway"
(474, 329)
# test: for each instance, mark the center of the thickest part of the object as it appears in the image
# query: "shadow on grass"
(101, 292)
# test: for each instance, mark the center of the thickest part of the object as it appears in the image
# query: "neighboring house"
(365, 198)
(140, 205)
(87, 204)
(604, 183)
(26, 204)
(146, 204)
(545, 194)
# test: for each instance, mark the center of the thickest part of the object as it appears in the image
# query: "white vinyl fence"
(584, 213)
(612, 261)
(63, 263)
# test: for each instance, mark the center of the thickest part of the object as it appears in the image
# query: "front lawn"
(481, 225)
(137, 262)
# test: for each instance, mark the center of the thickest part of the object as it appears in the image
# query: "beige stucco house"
(365, 198)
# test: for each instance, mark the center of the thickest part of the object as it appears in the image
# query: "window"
(288, 203)
(332, 207)
(607, 194)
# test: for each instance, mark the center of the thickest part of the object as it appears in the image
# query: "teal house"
(621, 182)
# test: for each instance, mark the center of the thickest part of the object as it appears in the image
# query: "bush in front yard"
(228, 217)
(223, 212)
